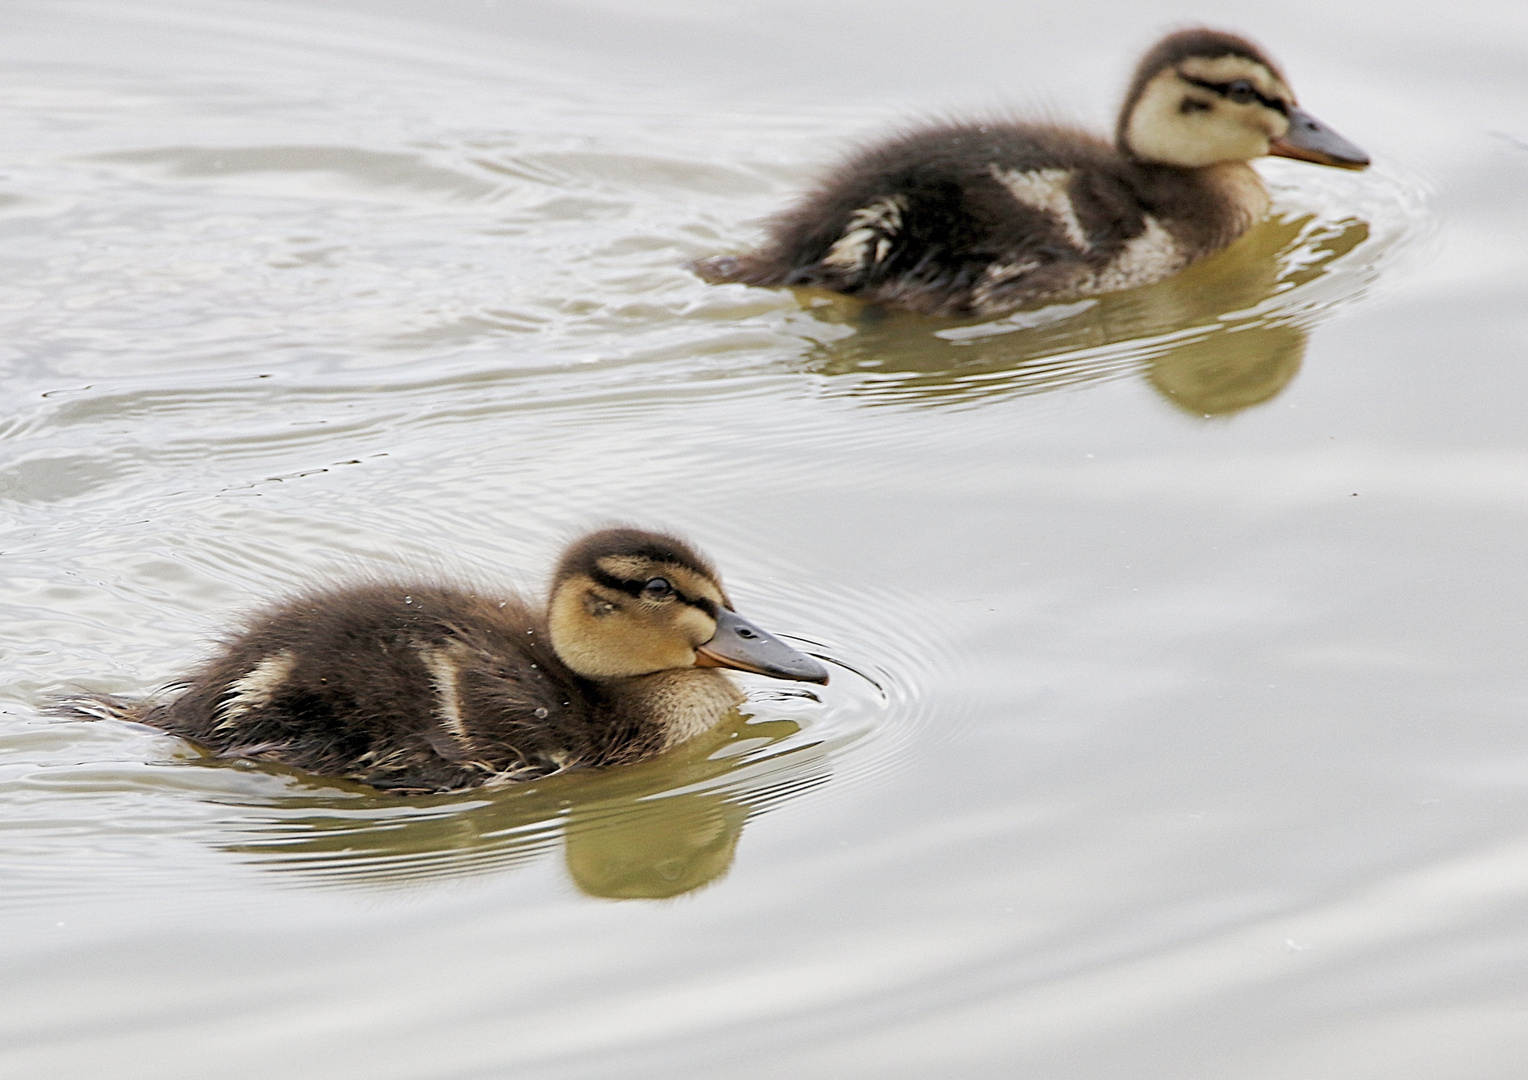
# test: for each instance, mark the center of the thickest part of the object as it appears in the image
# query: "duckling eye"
(1241, 91)
(657, 588)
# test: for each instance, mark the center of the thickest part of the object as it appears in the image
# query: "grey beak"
(739, 644)
(1310, 140)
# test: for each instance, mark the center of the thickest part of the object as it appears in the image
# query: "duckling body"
(421, 686)
(427, 687)
(979, 218)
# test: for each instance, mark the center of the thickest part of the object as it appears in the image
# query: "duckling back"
(414, 687)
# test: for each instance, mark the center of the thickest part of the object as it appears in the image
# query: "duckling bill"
(981, 218)
(428, 687)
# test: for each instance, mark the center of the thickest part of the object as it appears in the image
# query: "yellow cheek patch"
(697, 627)
(629, 639)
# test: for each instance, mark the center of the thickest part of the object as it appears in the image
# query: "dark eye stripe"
(610, 581)
(634, 588)
(1224, 90)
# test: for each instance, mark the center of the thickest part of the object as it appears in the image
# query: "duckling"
(980, 218)
(427, 687)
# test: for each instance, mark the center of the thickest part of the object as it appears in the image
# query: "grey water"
(1178, 719)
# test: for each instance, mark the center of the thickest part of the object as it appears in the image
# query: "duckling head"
(1202, 97)
(626, 602)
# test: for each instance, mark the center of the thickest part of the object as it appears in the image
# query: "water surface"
(1177, 727)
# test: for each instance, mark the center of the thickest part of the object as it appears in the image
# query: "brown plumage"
(979, 218)
(427, 687)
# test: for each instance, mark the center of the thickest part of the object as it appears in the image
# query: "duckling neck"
(1205, 207)
(673, 706)
(1240, 190)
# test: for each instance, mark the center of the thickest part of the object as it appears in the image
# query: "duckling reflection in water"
(649, 830)
(429, 688)
(659, 849)
(982, 218)
(1226, 334)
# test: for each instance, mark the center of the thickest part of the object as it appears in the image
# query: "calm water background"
(1180, 730)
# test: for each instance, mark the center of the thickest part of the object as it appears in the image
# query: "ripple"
(272, 326)
(349, 172)
(670, 824)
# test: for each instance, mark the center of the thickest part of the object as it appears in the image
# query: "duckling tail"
(99, 707)
(750, 269)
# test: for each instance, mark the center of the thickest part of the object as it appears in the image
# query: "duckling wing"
(409, 687)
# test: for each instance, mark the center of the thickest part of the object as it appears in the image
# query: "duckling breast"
(665, 709)
(1099, 235)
